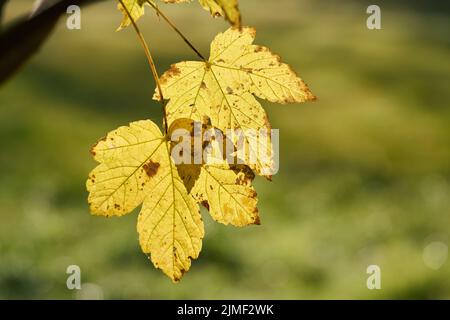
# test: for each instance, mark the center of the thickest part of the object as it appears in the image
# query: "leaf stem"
(151, 63)
(172, 25)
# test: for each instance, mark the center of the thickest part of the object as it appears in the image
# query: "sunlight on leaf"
(135, 167)
(224, 88)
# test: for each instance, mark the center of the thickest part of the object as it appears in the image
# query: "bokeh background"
(364, 176)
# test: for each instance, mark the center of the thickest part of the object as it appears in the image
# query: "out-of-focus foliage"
(364, 175)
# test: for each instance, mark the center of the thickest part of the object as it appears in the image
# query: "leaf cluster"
(136, 162)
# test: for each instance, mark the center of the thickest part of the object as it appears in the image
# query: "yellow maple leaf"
(226, 8)
(224, 88)
(136, 167)
(135, 9)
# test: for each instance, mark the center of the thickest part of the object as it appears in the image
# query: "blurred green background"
(364, 176)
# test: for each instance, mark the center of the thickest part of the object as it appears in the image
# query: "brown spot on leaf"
(259, 48)
(117, 206)
(151, 168)
(205, 204)
(267, 123)
(172, 72)
(241, 180)
(252, 31)
(92, 151)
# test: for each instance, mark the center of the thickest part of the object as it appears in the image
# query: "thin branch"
(151, 62)
(172, 25)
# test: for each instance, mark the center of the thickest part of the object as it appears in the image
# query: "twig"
(150, 62)
(176, 29)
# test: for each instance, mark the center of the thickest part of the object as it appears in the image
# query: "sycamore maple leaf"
(135, 9)
(226, 8)
(224, 88)
(136, 167)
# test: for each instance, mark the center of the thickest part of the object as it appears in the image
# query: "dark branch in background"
(2, 6)
(23, 38)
